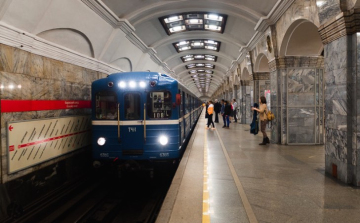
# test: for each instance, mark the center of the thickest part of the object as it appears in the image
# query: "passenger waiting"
(263, 118)
(210, 112)
(227, 113)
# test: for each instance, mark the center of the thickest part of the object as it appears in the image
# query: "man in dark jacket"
(227, 113)
(222, 111)
(217, 109)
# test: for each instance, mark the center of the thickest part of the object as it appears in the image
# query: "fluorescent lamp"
(213, 27)
(177, 29)
(210, 47)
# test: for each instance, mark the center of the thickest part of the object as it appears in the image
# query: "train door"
(181, 114)
(132, 128)
(190, 110)
(184, 113)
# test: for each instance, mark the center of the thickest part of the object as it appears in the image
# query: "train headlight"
(132, 84)
(122, 84)
(163, 140)
(142, 84)
(101, 141)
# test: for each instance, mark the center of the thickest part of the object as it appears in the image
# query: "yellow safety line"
(206, 205)
(246, 203)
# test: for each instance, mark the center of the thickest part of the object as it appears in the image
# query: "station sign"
(33, 142)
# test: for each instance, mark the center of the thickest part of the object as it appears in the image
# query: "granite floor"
(252, 183)
(282, 183)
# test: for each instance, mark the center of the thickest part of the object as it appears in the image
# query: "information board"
(33, 142)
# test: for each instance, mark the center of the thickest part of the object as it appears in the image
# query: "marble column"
(246, 88)
(341, 37)
(260, 79)
(296, 100)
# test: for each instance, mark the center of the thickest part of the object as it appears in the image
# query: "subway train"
(141, 116)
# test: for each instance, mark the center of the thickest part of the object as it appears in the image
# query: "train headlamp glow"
(122, 84)
(132, 84)
(101, 141)
(163, 140)
(142, 84)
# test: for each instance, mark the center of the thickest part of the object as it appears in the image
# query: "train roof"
(128, 76)
(141, 75)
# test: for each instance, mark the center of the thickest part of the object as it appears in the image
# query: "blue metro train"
(141, 116)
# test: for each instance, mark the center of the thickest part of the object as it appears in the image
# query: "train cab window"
(132, 106)
(159, 104)
(106, 105)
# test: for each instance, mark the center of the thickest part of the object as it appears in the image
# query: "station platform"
(226, 176)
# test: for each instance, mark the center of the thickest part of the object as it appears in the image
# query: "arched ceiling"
(242, 17)
(301, 39)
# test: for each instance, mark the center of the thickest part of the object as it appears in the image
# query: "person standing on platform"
(217, 109)
(206, 113)
(222, 111)
(210, 112)
(235, 109)
(263, 118)
(227, 113)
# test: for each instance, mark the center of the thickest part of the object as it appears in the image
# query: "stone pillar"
(297, 100)
(260, 79)
(245, 102)
(341, 37)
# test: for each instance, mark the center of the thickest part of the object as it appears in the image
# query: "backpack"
(270, 116)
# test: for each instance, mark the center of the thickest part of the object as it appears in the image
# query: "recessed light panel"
(197, 44)
(190, 21)
(200, 65)
(192, 57)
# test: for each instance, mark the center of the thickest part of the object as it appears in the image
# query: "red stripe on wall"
(40, 105)
(49, 139)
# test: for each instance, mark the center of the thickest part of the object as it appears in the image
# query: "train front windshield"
(159, 105)
(132, 106)
(106, 105)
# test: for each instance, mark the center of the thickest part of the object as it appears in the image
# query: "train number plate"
(104, 154)
(164, 154)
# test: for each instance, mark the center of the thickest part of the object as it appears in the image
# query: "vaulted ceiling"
(196, 21)
(198, 42)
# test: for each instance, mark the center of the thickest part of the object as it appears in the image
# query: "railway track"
(134, 198)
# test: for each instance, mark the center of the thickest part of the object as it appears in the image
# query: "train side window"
(106, 105)
(159, 104)
(182, 105)
(132, 106)
(187, 103)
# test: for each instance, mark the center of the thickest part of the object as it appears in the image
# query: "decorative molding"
(261, 76)
(245, 83)
(110, 17)
(125, 26)
(34, 44)
(303, 62)
(104, 12)
(346, 23)
(274, 15)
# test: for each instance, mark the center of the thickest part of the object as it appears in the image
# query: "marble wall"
(296, 98)
(342, 108)
(245, 103)
(275, 80)
(305, 106)
(329, 9)
(26, 76)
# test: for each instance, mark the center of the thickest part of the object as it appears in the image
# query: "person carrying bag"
(254, 126)
(263, 118)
